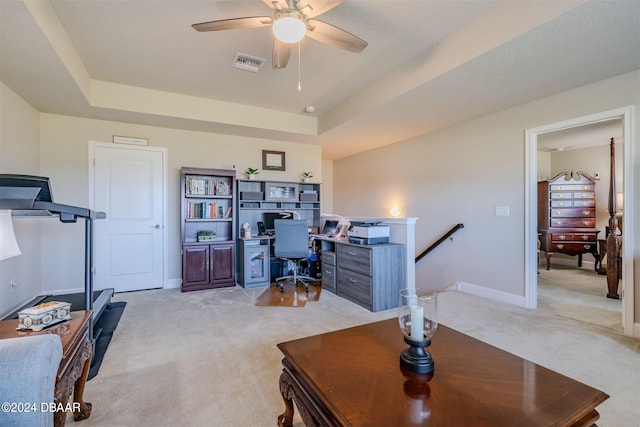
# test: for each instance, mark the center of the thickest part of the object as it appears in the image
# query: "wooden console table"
(352, 377)
(75, 363)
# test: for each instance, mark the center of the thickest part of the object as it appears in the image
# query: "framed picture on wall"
(273, 160)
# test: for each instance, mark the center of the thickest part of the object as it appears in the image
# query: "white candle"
(417, 323)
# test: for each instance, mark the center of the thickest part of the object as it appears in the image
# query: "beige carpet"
(580, 294)
(209, 358)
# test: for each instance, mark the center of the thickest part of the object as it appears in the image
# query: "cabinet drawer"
(573, 213)
(571, 187)
(354, 258)
(572, 247)
(329, 277)
(329, 257)
(573, 222)
(573, 237)
(357, 287)
(584, 195)
(579, 203)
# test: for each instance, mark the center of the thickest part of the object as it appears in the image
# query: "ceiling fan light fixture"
(289, 26)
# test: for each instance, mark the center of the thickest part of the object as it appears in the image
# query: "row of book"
(204, 210)
(207, 186)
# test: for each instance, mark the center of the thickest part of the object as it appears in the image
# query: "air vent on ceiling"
(247, 62)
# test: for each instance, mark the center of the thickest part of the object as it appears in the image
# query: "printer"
(368, 233)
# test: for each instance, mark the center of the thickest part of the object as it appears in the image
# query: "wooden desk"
(76, 360)
(352, 377)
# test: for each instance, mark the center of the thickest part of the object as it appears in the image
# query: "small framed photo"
(273, 160)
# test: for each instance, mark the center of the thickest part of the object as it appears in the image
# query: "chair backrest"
(291, 238)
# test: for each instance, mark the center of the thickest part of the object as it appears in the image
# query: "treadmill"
(30, 196)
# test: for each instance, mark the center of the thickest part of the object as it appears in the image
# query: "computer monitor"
(330, 227)
(269, 217)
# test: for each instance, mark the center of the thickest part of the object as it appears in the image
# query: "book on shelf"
(204, 210)
(227, 214)
(210, 186)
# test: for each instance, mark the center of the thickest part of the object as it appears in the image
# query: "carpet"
(293, 296)
(103, 332)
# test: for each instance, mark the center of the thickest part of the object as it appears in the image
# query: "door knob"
(157, 226)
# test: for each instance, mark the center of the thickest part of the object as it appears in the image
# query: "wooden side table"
(75, 363)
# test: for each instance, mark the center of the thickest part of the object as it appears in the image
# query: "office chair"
(292, 244)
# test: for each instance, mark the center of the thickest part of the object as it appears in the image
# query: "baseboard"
(63, 291)
(491, 294)
(636, 330)
(173, 284)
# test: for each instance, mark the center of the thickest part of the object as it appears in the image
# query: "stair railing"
(439, 241)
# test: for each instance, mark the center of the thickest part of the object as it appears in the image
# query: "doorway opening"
(532, 137)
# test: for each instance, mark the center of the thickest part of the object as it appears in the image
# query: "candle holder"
(418, 320)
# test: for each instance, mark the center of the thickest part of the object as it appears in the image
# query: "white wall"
(460, 174)
(64, 154)
(19, 137)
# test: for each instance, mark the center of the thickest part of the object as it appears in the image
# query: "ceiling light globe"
(289, 29)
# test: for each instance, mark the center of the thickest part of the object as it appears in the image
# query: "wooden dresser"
(567, 216)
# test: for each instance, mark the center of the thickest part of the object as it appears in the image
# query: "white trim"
(165, 184)
(173, 284)
(64, 292)
(531, 143)
(493, 294)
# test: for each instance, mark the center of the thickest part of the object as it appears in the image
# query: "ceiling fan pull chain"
(299, 85)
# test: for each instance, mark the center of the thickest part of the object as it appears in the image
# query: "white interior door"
(128, 185)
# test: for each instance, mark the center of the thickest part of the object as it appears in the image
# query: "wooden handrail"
(439, 241)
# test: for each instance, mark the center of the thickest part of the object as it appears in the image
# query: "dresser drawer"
(356, 287)
(572, 247)
(573, 213)
(329, 277)
(581, 203)
(573, 222)
(354, 258)
(571, 187)
(584, 195)
(573, 237)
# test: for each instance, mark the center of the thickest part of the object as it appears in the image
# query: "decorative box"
(43, 315)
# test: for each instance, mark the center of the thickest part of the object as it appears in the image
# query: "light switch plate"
(502, 211)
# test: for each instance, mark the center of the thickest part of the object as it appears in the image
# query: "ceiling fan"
(292, 20)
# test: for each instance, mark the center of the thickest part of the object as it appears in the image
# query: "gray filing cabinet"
(368, 275)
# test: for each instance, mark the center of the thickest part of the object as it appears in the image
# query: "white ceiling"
(428, 64)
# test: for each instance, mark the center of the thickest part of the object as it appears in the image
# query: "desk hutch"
(254, 198)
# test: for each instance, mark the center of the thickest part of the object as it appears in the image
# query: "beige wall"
(461, 173)
(64, 152)
(19, 138)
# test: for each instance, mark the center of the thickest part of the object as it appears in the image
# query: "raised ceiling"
(429, 64)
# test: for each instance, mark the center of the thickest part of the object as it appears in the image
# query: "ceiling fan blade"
(281, 54)
(313, 8)
(276, 4)
(327, 33)
(232, 24)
